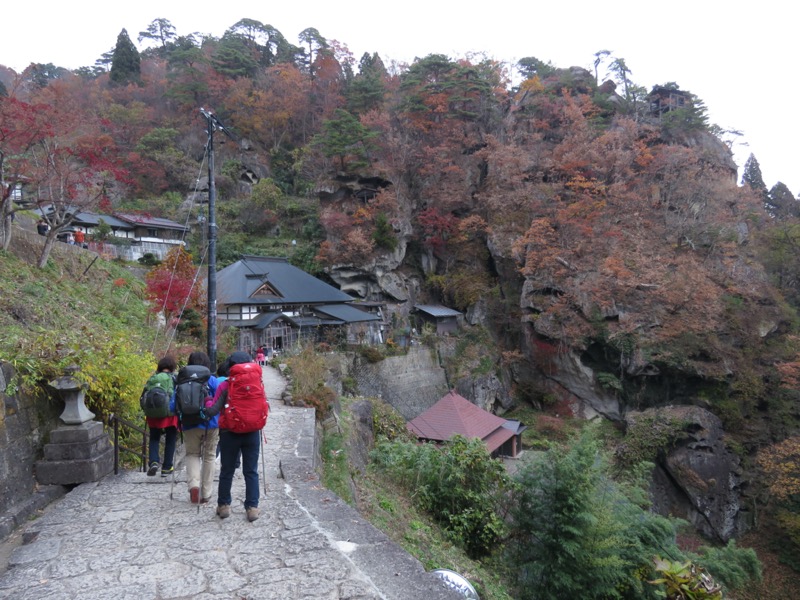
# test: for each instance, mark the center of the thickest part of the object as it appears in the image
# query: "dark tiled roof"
(88, 219)
(516, 426)
(452, 415)
(283, 284)
(157, 222)
(93, 220)
(436, 311)
(259, 322)
(312, 321)
(346, 312)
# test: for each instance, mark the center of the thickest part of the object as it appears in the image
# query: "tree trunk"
(5, 217)
(5, 231)
(48, 246)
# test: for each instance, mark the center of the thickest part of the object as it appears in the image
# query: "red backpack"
(247, 406)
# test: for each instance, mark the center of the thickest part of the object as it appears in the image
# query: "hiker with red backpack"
(242, 405)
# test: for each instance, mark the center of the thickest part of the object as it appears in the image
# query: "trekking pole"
(263, 460)
(172, 485)
(202, 466)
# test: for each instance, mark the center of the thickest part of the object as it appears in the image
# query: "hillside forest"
(608, 260)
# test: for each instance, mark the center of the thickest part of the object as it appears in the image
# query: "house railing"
(115, 423)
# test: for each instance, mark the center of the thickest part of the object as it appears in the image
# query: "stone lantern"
(72, 391)
(79, 451)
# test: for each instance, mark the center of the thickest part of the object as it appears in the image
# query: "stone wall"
(24, 426)
(411, 383)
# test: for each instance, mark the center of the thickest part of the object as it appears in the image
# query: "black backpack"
(191, 391)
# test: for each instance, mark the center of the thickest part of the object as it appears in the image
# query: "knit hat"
(238, 358)
(235, 358)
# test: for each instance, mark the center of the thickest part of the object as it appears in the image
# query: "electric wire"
(163, 309)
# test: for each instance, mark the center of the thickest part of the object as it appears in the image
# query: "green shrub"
(648, 436)
(371, 353)
(384, 236)
(388, 423)
(149, 259)
(609, 381)
(308, 372)
(115, 371)
(458, 484)
(732, 566)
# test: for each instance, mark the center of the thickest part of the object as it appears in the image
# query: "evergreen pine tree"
(782, 203)
(235, 56)
(125, 62)
(751, 175)
(367, 90)
(345, 137)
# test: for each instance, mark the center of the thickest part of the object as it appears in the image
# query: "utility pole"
(212, 124)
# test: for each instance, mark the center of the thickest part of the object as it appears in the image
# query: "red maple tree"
(173, 286)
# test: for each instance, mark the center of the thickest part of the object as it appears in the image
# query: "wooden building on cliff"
(453, 414)
(274, 305)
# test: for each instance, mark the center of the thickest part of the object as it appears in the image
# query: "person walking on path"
(168, 426)
(242, 405)
(200, 440)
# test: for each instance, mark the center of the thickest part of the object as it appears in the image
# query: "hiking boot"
(252, 513)
(224, 511)
(205, 500)
(167, 472)
(151, 472)
(194, 495)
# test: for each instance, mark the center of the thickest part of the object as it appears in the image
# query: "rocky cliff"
(24, 425)
(614, 261)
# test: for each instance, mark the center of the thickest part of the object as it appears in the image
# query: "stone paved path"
(123, 538)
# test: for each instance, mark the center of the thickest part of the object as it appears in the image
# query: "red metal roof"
(497, 438)
(454, 414)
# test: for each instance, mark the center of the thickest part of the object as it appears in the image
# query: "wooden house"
(135, 235)
(664, 99)
(453, 414)
(274, 304)
(445, 320)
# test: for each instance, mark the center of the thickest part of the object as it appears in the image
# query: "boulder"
(486, 391)
(699, 479)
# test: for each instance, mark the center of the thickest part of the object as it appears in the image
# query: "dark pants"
(230, 444)
(170, 438)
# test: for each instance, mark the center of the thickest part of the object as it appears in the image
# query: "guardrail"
(115, 422)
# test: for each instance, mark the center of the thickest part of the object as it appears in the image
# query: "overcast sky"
(738, 57)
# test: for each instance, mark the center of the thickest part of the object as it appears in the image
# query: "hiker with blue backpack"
(242, 406)
(200, 435)
(155, 402)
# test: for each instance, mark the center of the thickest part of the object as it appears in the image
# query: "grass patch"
(336, 470)
(77, 310)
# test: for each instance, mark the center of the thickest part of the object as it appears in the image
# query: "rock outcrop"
(700, 479)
